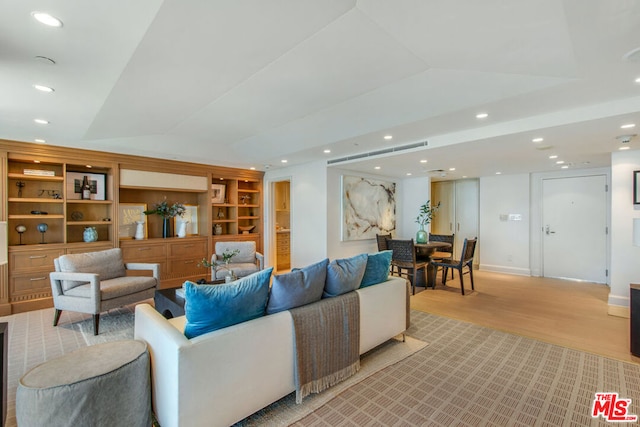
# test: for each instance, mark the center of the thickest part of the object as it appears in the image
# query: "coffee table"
(171, 305)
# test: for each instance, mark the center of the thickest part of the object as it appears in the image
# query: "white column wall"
(505, 243)
(625, 258)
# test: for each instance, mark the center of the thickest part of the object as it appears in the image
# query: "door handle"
(548, 231)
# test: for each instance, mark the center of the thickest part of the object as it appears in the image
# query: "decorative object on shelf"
(39, 213)
(140, 232)
(42, 228)
(217, 229)
(54, 194)
(20, 185)
(190, 216)
(38, 172)
(128, 216)
(77, 215)
(20, 229)
(90, 234)
(86, 188)
(246, 229)
(166, 211)
(217, 193)
(220, 213)
(182, 228)
(244, 198)
(96, 181)
(425, 215)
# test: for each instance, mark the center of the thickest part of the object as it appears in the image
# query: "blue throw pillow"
(212, 307)
(344, 275)
(377, 270)
(300, 287)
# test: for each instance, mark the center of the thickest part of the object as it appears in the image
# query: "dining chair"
(382, 241)
(404, 260)
(468, 249)
(443, 253)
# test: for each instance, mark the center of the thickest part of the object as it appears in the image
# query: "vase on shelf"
(217, 229)
(139, 230)
(182, 228)
(90, 234)
(421, 235)
(165, 228)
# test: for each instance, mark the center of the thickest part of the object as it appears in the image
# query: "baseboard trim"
(507, 270)
(618, 311)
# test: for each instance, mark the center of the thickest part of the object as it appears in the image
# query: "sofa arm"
(155, 268)
(57, 277)
(260, 259)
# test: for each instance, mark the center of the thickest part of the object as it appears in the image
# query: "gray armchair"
(95, 282)
(246, 262)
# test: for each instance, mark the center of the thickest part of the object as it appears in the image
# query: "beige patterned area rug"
(285, 411)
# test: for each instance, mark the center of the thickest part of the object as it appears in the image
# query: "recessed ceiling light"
(377, 167)
(565, 167)
(89, 166)
(42, 88)
(626, 147)
(40, 140)
(559, 162)
(252, 168)
(41, 121)
(47, 19)
(409, 173)
(637, 80)
(464, 176)
(284, 161)
(628, 126)
(553, 156)
(498, 173)
(327, 151)
(423, 161)
(538, 139)
(452, 169)
(388, 137)
(482, 115)
(36, 161)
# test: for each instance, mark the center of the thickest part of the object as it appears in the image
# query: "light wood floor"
(567, 313)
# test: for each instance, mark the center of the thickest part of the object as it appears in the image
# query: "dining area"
(420, 262)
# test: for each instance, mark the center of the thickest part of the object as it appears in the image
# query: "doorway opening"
(282, 225)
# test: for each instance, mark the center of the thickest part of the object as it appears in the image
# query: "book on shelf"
(38, 172)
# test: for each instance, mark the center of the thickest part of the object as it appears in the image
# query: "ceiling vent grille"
(376, 153)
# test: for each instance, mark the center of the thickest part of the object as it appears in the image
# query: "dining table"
(423, 253)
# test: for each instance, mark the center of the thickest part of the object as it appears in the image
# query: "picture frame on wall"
(128, 214)
(97, 181)
(636, 187)
(191, 216)
(218, 193)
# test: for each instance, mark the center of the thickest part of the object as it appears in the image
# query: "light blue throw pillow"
(377, 270)
(300, 287)
(212, 307)
(344, 275)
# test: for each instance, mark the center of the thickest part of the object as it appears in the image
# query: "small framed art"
(218, 193)
(97, 181)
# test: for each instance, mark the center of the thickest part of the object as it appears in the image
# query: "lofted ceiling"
(249, 83)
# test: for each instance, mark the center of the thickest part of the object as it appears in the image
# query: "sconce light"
(3, 242)
(636, 231)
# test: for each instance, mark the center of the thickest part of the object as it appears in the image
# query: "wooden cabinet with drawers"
(178, 257)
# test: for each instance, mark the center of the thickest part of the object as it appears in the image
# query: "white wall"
(308, 213)
(505, 243)
(415, 192)
(625, 258)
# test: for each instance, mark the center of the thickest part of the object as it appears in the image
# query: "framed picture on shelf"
(97, 181)
(128, 215)
(218, 193)
(636, 187)
(191, 217)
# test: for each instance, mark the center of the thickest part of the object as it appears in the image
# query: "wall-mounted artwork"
(368, 208)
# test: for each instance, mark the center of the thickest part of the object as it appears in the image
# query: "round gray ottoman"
(100, 385)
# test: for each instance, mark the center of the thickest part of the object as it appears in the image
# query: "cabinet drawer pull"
(189, 262)
(37, 256)
(35, 279)
(187, 246)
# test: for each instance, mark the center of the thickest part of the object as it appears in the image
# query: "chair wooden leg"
(445, 271)
(461, 281)
(471, 276)
(96, 323)
(56, 317)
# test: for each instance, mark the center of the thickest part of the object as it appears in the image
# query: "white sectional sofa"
(221, 377)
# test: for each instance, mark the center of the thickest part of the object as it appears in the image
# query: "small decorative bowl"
(246, 229)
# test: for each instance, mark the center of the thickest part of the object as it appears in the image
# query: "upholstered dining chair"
(404, 260)
(94, 282)
(466, 260)
(443, 253)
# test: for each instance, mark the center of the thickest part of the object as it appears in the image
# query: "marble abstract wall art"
(368, 208)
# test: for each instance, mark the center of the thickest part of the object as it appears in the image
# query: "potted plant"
(425, 215)
(166, 211)
(227, 255)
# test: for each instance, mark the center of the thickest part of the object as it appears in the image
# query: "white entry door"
(574, 234)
